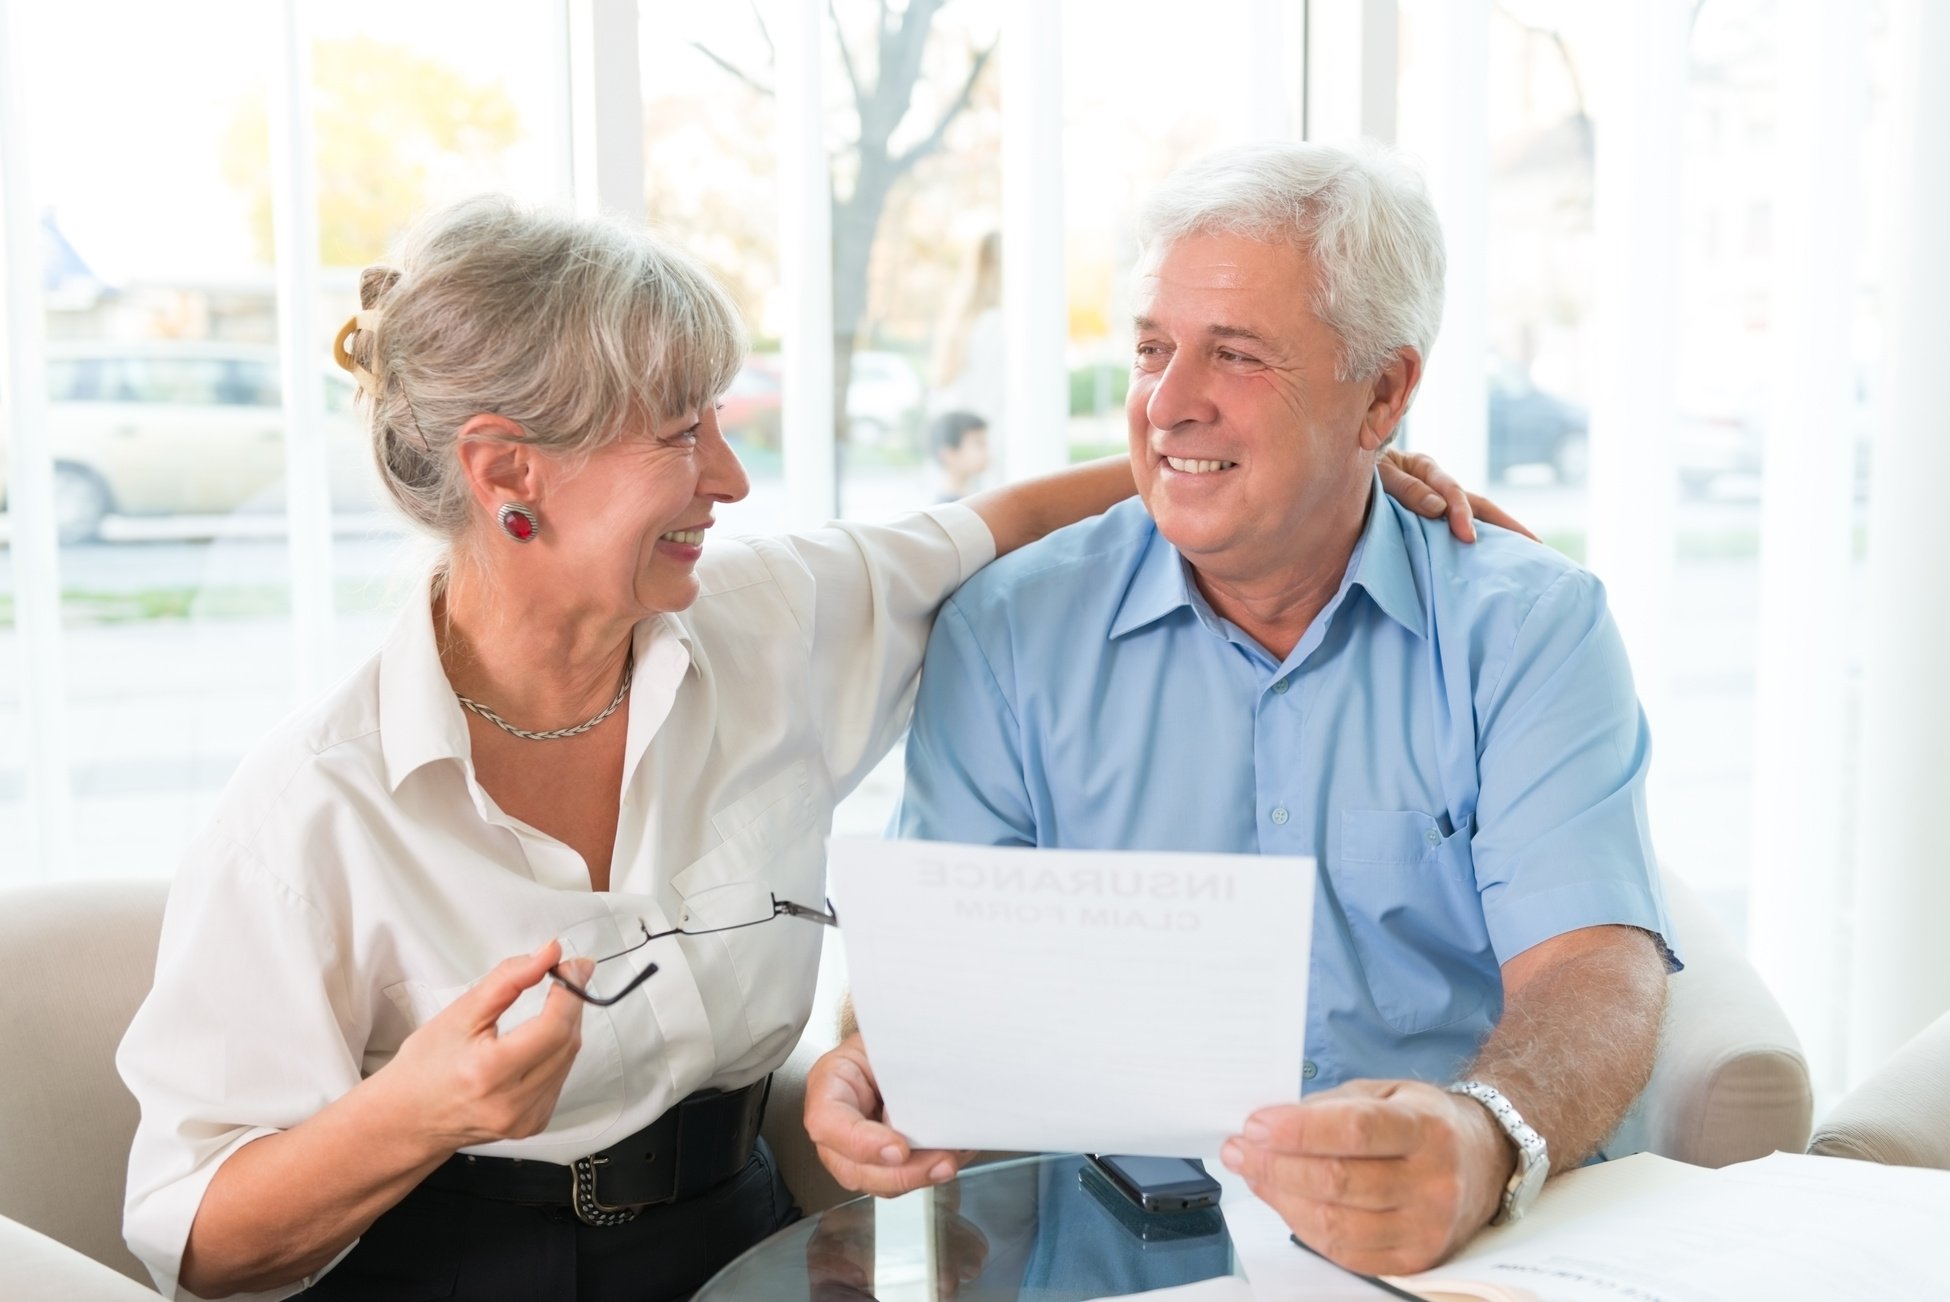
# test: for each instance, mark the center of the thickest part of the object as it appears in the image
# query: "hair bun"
(375, 282)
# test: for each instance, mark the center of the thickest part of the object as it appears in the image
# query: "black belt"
(704, 1140)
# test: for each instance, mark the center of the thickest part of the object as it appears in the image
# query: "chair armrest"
(1730, 1082)
(1901, 1114)
(35, 1268)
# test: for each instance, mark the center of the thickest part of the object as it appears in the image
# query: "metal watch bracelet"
(1533, 1154)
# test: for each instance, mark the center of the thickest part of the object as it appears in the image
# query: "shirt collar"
(421, 722)
(1159, 585)
(1381, 564)
(419, 719)
(1162, 581)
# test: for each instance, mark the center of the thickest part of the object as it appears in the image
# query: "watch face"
(1524, 1188)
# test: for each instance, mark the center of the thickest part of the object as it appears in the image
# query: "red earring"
(518, 522)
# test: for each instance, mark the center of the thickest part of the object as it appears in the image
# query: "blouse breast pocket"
(1414, 917)
(771, 848)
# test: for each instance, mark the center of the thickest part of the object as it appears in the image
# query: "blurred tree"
(386, 119)
(867, 168)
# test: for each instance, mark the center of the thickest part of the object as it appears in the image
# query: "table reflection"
(1035, 1230)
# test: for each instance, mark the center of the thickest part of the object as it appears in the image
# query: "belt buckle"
(582, 1196)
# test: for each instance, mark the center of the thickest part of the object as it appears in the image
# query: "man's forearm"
(1575, 1044)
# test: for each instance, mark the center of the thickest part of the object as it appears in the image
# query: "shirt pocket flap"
(794, 784)
(766, 837)
(1389, 836)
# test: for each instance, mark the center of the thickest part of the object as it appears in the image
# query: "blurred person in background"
(958, 445)
(971, 353)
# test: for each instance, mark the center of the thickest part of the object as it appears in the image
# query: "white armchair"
(1730, 1082)
(79, 957)
(1901, 1114)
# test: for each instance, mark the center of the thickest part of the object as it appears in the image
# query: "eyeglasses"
(778, 908)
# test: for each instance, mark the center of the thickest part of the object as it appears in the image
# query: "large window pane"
(418, 106)
(1140, 98)
(1550, 61)
(165, 399)
(163, 413)
(710, 170)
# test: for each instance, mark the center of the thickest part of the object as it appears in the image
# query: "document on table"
(1782, 1227)
(1059, 1000)
(1649, 1229)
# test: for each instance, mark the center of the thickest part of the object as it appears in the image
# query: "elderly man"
(1266, 655)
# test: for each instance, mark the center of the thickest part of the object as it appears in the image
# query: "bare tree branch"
(771, 50)
(846, 56)
(731, 68)
(934, 138)
(1556, 38)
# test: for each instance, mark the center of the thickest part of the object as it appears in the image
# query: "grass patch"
(80, 606)
(1081, 452)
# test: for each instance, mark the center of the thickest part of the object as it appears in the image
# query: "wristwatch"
(1533, 1155)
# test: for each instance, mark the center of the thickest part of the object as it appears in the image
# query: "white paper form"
(1060, 1000)
(1785, 1227)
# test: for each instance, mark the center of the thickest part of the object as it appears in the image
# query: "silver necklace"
(629, 674)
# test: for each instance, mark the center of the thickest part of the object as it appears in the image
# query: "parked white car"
(164, 428)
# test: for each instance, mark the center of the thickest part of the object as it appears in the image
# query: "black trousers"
(435, 1244)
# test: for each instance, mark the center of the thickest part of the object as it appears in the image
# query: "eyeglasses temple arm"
(829, 918)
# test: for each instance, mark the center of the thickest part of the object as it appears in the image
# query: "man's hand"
(1418, 483)
(847, 1122)
(1382, 1177)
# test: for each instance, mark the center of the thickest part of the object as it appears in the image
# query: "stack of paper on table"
(1057, 1000)
(1646, 1229)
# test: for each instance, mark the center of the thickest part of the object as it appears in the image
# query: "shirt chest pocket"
(757, 981)
(1414, 918)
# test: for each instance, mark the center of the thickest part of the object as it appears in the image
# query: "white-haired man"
(1267, 656)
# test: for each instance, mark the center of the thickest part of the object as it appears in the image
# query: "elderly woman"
(583, 741)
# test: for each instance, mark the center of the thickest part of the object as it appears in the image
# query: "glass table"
(1038, 1229)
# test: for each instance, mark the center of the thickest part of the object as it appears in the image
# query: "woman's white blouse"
(357, 878)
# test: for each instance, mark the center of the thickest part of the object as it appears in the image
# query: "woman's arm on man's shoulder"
(1020, 513)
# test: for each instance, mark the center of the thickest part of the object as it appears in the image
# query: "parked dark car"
(1531, 427)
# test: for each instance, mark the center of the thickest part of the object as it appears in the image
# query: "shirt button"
(1279, 815)
(1308, 1071)
(1432, 836)
(1279, 688)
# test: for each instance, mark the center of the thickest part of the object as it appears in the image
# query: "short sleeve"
(241, 1036)
(964, 755)
(873, 595)
(1561, 840)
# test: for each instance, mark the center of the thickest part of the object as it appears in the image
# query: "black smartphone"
(1153, 1231)
(1159, 1184)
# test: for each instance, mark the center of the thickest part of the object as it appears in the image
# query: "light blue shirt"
(1456, 741)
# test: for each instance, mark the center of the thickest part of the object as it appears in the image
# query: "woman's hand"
(1418, 483)
(477, 1085)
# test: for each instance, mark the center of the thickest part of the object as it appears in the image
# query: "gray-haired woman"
(585, 738)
